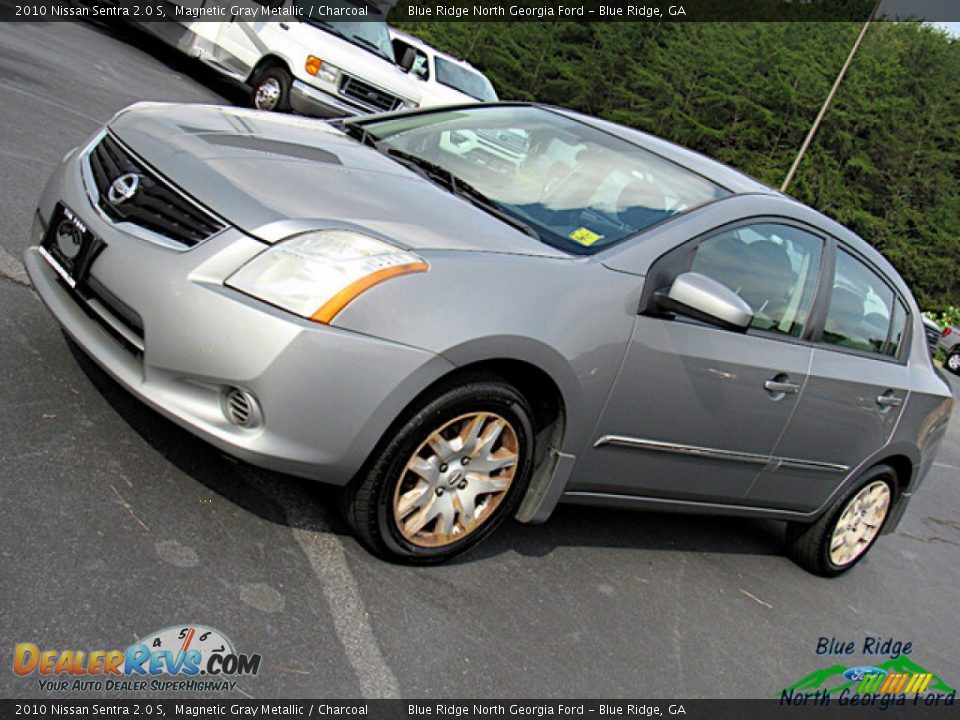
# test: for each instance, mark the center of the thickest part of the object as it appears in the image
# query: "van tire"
(271, 89)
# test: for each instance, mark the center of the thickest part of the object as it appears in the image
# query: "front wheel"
(271, 89)
(844, 534)
(447, 477)
(953, 362)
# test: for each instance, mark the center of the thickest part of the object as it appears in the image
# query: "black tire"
(808, 545)
(368, 502)
(271, 78)
(953, 362)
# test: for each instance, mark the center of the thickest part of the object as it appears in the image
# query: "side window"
(773, 267)
(864, 314)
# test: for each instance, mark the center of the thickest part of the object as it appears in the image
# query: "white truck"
(315, 67)
(441, 79)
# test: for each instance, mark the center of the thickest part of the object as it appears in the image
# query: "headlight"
(315, 275)
(318, 68)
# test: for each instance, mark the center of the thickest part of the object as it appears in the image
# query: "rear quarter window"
(864, 313)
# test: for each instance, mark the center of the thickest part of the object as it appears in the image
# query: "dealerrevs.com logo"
(197, 658)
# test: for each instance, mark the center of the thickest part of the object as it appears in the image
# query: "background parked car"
(932, 330)
(442, 79)
(319, 68)
(950, 344)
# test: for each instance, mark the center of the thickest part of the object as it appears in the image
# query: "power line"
(826, 103)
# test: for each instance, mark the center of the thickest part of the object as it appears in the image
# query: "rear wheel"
(271, 89)
(447, 477)
(953, 362)
(844, 534)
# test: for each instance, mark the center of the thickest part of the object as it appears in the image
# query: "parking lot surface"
(114, 523)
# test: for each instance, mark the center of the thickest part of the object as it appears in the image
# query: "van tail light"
(946, 331)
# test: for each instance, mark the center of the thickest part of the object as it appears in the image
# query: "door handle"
(781, 386)
(284, 26)
(888, 399)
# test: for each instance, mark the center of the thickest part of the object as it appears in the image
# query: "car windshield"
(578, 188)
(371, 35)
(465, 80)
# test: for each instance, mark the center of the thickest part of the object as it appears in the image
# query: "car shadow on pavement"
(571, 525)
(308, 505)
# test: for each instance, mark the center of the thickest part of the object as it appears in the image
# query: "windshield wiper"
(422, 167)
(469, 192)
(330, 27)
(451, 182)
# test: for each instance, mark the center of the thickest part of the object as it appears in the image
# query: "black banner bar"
(478, 10)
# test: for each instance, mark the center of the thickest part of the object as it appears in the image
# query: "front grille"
(156, 205)
(933, 336)
(366, 94)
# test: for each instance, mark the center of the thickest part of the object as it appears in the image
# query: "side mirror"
(407, 59)
(703, 298)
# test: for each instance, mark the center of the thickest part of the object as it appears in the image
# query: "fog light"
(241, 408)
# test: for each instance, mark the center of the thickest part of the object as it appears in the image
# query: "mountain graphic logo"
(898, 675)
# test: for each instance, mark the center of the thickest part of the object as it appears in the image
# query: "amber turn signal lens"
(328, 311)
(313, 64)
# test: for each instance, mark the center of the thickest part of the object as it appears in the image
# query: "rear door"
(856, 390)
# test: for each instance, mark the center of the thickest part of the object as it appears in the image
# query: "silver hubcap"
(953, 362)
(455, 480)
(859, 523)
(268, 94)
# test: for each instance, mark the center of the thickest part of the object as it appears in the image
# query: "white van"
(442, 79)
(320, 68)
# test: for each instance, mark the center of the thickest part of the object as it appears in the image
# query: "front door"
(696, 411)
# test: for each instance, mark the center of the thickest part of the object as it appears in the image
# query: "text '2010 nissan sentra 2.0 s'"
(465, 314)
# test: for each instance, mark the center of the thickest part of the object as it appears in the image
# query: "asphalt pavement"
(114, 523)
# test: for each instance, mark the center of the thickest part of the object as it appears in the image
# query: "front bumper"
(308, 100)
(326, 395)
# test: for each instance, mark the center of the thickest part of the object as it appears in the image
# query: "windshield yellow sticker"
(584, 236)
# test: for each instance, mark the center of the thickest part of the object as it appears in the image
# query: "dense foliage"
(947, 318)
(886, 161)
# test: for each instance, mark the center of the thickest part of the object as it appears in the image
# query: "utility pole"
(826, 103)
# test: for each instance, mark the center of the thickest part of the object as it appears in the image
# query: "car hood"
(274, 175)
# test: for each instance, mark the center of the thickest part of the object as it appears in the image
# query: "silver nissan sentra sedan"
(470, 313)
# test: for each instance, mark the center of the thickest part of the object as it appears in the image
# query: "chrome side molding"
(716, 454)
